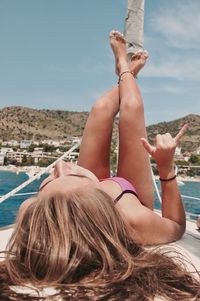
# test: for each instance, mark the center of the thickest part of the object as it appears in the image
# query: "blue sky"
(56, 54)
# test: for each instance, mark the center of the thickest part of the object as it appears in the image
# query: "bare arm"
(172, 206)
(149, 228)
(171, 226)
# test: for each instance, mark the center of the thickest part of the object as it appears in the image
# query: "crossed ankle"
(124, 72)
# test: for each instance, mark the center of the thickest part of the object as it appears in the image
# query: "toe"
(145, 54)
(112, 33)
(135, 57)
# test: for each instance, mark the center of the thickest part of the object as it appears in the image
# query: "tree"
(194, 159)
(45, 162)
(181, 162)
(48, 148)
(24, 159)
(27, 161)
(190, 172)
(31, 148)
(30, 161)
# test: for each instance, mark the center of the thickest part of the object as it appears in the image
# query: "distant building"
(178, 151)
(13, 143)
(178, 155)
(17, 156)
(73, 156)
(51, 142)
(73, 139)
(197, 152)
(62, 142)
(38, 150)
(25, 143)
(2, 159)
(5, 150)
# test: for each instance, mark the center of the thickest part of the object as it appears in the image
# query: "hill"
(190, 141)
(25, 123)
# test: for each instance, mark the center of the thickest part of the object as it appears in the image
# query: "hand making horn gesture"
(164, 149)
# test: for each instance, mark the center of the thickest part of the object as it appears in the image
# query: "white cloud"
(179, 24)
(174, 66)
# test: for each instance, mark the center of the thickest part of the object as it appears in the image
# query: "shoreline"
(33, 169)
(25, 169)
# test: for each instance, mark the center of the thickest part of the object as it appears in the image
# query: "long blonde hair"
(78, 242)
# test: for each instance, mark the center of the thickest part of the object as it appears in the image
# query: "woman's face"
(67, 176)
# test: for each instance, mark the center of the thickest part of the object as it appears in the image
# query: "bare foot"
(118, 45)
(138, 61)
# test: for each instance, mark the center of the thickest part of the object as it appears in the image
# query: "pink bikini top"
(125, 185)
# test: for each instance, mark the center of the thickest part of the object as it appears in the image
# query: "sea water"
(10, 180)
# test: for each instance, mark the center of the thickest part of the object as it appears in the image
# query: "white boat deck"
(190, 244)
(5, 234)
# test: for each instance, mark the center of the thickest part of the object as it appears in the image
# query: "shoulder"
(110, 187)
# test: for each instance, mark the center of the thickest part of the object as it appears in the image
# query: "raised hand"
(164, 149)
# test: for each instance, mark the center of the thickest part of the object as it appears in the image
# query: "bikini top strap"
(122, 193)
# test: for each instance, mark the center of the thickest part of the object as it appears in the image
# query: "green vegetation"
(31, 148)
(194, 159)
(44, 162)
(47, 148)
(27, 161)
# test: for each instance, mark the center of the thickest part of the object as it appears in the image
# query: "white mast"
(134, 26)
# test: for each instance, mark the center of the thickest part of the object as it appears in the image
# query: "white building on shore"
(73, 156)
(51, 142)
(25, 143)
(12, 143)
(2, 159)
(5, 150)
(197, 152)
(17, 156)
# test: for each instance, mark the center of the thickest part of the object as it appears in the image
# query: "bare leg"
(133, 163)
(95, 146)
(97, 133)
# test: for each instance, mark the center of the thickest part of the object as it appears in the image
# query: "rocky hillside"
(26, 123)
(190, 141)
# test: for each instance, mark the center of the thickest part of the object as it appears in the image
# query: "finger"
(159, 141)
(181, 133)
(168, 141)
(149, 148)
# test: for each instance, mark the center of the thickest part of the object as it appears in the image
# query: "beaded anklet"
(120, 76)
